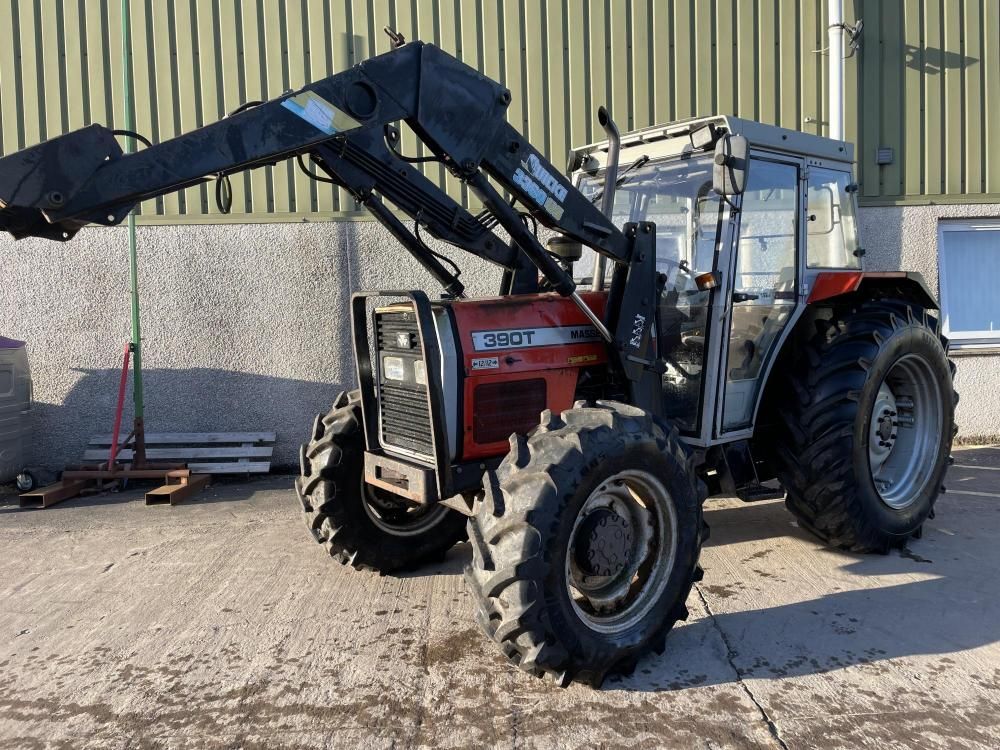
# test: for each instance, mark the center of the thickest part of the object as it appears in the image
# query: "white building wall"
(906, 237)
(246, 326)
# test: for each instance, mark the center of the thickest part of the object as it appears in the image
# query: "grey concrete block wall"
(906, 237)
(246, 326)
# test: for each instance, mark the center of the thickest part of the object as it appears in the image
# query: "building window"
(969, 265)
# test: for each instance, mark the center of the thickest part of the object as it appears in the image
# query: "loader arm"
(52, 189)
(345, 125)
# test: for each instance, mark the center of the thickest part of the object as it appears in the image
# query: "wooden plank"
(181, 438)
(174, 494)
(54, 493)
(185, 452)
(125, 473)
(253, 467)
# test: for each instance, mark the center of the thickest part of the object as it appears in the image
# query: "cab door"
(764, 286)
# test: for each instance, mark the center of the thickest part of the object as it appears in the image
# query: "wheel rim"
(398, 517)
(905, 431)
(621, 551)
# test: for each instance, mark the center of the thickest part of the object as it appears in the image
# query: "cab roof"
(662, 137)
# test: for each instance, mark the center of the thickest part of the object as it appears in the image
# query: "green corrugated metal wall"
(927, 78)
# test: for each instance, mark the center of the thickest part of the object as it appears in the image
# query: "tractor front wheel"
(361, 525)
(586, 543)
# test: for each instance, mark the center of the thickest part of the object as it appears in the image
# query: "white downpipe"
(835, 56)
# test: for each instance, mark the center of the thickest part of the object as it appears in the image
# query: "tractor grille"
(403, 403)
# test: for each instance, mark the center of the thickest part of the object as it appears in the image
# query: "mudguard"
(831, 284)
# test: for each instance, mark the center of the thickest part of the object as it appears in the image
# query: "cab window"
(831, 228)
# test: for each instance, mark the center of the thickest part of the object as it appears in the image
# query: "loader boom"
(52, 189)
(345, 124)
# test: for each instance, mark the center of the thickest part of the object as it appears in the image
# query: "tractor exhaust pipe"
(610, 182)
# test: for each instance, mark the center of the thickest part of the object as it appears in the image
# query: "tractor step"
(756, 492)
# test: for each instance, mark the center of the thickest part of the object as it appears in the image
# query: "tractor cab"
(735, 265)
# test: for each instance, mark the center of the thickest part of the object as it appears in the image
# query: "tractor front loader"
(724, 335)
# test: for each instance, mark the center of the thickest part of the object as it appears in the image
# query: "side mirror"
(732, 163)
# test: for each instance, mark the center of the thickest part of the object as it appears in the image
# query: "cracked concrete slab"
(219, 624)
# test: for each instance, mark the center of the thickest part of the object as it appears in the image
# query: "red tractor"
(728, 337)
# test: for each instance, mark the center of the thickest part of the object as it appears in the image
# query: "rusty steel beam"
(178, 490)
(54, 493)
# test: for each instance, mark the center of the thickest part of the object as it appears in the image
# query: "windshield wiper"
(622, 176)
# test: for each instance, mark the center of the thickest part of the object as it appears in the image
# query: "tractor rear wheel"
(361, 525)
(586, 543)
(866, 430)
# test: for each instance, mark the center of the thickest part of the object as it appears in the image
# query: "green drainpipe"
(133, 262)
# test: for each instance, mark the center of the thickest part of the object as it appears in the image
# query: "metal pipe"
(610, 183)
(116, 433)
(835, 55)
(133, 260)
(592, 317)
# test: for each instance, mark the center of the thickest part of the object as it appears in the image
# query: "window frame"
(852, 197)
(962, 339)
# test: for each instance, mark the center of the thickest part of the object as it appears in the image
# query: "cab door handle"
(744, 296)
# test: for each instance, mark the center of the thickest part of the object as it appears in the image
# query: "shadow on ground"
(224, 489)
(935, 597)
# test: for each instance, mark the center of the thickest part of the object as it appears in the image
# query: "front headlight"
(393, 368)
(420, 372)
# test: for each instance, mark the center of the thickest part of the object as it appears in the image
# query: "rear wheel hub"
(903, 440)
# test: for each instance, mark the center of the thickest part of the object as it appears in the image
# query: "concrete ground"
(220, 624)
